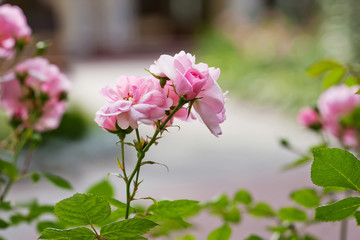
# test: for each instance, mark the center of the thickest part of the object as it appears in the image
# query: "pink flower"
(132, 100)
(308, 117)
(195, 81)
(33, 93)
(336, 103)
(13, 28)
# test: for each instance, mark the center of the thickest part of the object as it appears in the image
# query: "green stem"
(23, 140)
(141, 155)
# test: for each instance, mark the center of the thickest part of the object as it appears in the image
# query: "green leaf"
(262, 209)
(221, 233)
(69, 234)
(335, 168)
(333, 77)
(243, 196)
(351, 81)
(175, 208)
(3, 224)
(357, 218)
(127, 229)
(292, 214)
(83, 209)
(254, 237)
(36, 210)
(5, 206)
(102, 188)
(40, 226)
(321, 67)
(187, 237)
(306, 197)
(337, 211)
(58, 181)
(233, 215)
(299, 162)
(9, 169)
(35, 177)
(278, 229)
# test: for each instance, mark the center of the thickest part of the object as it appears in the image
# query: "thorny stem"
(141, 155)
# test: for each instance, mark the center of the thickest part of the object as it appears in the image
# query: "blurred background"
(263, 48)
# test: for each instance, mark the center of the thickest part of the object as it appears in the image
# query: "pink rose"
(33, 93)
(308, 117)
(132, 100)
(13, 28)
(336, 103)
(195, 81)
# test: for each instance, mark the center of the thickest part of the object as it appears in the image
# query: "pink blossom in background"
(336, 103)
(308, 117)
(133, 100)
(40, 93)
(13, 27)
(195, 81)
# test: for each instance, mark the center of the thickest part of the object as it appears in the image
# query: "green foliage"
(186, 237)
(221, 233)
(357, 218)
(243, 196)
(299, 162)
(68, 234)
(321, 67)
(40, 226)
(83, 209)
(335, 168)
(253, 237)
(3, 224)
(262, 209)
(337, 211)
(8, 169)
(57, 181)
(127, 229)
(292, 214)
(174, 209)
(306, 197)
(102, 188)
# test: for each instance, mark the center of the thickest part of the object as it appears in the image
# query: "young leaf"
(233, 215)
(253, 237)
(292, 214)
(243, 196)
(321, 67)
(221, 233)
(3, 224)
(299, 162)
(5, 206)
(333, 77)
(9, 169)
(58, 181)
(306, 197)
(127, 229)
(35, 177)
(187, 237)
(83, 209)
(102, 188)
(357, 218)
(262, 209)
(335, 168)
(337, 211)
(175, 208)
(69, 234)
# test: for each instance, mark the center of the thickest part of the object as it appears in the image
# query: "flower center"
(129, 97)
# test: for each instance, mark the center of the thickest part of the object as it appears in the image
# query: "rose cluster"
(33, 94)
(14, 30)
(178, 86)
(337, 113)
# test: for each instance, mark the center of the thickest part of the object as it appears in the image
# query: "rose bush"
(33, 94)
(14, 29)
